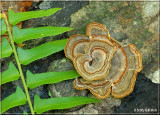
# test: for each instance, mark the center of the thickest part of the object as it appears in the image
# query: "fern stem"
(19, 65)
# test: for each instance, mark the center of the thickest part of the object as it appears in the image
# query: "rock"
(45, 5)
(150, 10)
(155, 77)
(143, 99)
(127, 22)
(86, 110)
(63, 64)
(106, 106)
(61, 18)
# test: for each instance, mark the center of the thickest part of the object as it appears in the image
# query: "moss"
(63, 60)
(147, 33)
(136, 42)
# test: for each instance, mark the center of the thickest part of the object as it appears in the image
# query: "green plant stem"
(19, 65)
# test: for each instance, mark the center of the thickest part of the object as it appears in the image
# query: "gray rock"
(150, 10)
(61, 18)
(45, 5)
(144, 98)
(105, 106)
(85, 110)
(155, 77)
(127, 22)
(63, 64)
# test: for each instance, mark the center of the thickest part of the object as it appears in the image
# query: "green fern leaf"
(30, 55)
(15, 99)
(11, 74)
(21, 35)
(6, 49)
(15, 18)
(35, 80)
(43, 105)
(3, 27)
(25, 113)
